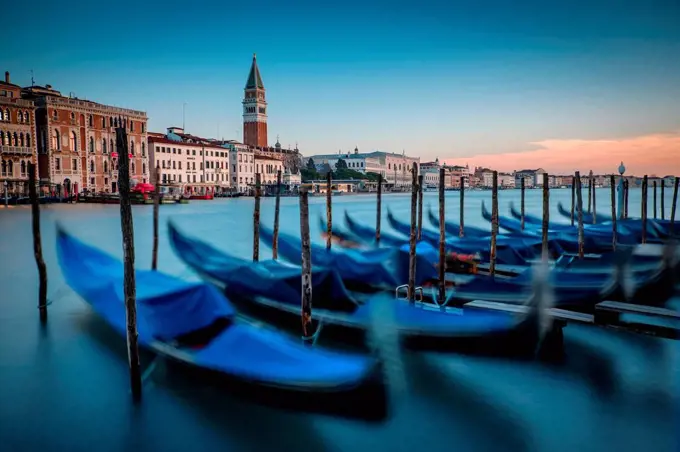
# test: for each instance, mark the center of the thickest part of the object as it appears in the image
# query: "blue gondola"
(194, 324)
(271, 290)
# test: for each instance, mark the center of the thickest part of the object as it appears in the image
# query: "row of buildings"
(73, 143)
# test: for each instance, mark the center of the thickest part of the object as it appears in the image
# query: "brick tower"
(254, 109)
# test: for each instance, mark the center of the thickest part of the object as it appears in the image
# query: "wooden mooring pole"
(37, 242)
(494, 224)
(594, 194)
(129, 285)
(412, 240)
(612, 184)
(256, 220)
(579, 208)
(156, 205)
(674, 204)
(546, 215)
(442, 236)
(663, 208)
(521, 203)
(590, 191)
(277, 207)
(329, 210)
(625, 199)
(461, 222)
(379, 211)
(573, 197)
(643, 206)
(306, 301)
(654, 199)
(420, 207)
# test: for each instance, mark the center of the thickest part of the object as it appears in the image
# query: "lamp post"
(6, 200)
(620, 188)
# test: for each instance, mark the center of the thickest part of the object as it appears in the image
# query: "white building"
(431, 178)
(532, 178)
(242, 160)
(189, 161)
(292, 181)
(506, 180)
(268, 168)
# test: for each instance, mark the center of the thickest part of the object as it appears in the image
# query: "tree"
(311, 165)
(341, 164)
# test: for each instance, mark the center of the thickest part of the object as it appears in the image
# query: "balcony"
(16, 150)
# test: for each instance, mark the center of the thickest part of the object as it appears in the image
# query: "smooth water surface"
(65, 386)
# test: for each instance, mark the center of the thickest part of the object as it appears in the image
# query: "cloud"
(657, 154)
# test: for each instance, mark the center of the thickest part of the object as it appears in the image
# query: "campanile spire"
(254, 109)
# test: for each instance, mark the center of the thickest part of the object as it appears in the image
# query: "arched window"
(143, 168)
(90, 121)
(16, 139)
(132, 147)
(7, 114)
(103, 145)
(113, 149)
(21, 139)
(92, 144)
(132, 167)
(106, 166)
(10, 167)
(2, 138)
(21, 116)
(28, 140)
(103, 122)
(143, 149)
(72, 142)
(4, 165)
(56, 140)
(23, 167)
(110, 121)
(92, 166)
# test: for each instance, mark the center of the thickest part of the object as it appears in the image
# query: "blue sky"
(449, 79)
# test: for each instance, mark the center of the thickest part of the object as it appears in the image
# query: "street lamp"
(6, 200)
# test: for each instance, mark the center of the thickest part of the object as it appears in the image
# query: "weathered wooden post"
(256, 220)
(494, 224)
(590, 191)
(625, 199)
(673, 206)
(594, 194)
(420, 207)
(546, 215)
(663, 208)
(277, 206)
(643, 206)
(329, 211)
(521, 203)
(461, 223)
(573, 197)
(379, 211)
(654, 199)
(442, 236)
(37, 242)
(129, 287)
(612, 183)
(412, 241)
(156, 205)
(306, 301)
(579, 208)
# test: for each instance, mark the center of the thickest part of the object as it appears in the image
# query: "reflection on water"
(65, 386)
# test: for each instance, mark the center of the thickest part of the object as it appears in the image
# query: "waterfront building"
(430, 177)
(485, 177)
(76, 142)
(426, 166)
(17, 138)
(268, 168)
(505, 180)
(292, 181)
(669, 181)
(198, 165)
(242, 158)
(455, 173)
(532, 178)
(355, 161)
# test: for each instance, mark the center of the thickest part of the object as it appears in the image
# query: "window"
(194, 166)
(143, 168)
(132, 126)
(143, 127)
(21, 116)
(113, 149)
(194, 178)
(73, 116)
(23, 168)
(132, 147)
(179, 165)
(92, 166)
(90, 121)
(106, 166)
(55, 115)
(28, 140)
(103, 122)
(173, 165)
(180, 178)
(10, 167)
(92, 145)
(2, 136)
(21, 139)
(132, 167)
(234, 166)
(72, 142)
(193, 153)
(74, 164)
(110, 121)
(103, 145)
(143, 149)
(57, 164)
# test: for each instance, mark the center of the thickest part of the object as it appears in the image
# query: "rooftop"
(254, 78)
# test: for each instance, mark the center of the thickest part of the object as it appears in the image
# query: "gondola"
(195, 325)
(453, 229)
(366, 234)
(271, 291)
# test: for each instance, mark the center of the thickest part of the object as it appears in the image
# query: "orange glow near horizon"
(657, 155)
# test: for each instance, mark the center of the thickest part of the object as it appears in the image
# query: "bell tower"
(254, 109)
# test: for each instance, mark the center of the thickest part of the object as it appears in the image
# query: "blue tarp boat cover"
(379, 267)
(270, 279)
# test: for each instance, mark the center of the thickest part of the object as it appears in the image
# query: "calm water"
(65, 386)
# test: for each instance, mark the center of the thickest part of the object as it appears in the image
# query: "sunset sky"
(562, 86)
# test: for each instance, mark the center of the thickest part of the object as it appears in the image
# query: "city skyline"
(514, 86)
